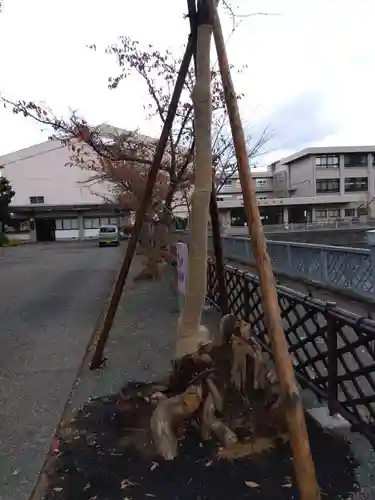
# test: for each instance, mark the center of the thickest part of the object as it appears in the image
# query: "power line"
(32, 156)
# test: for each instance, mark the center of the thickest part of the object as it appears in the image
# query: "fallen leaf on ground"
(251, 484)
(56, 446)
(287, 485)
(125, 483)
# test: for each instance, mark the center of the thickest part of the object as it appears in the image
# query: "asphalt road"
(51, 297)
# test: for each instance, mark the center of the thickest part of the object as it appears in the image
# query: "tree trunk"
(191, 334)
(145, 239)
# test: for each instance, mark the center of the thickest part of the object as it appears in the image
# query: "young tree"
(6, 195)
(159, 72)
(191, 334)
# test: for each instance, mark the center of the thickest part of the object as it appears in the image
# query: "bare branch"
(237, 17)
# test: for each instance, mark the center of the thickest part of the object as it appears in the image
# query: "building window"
(320, 213)
(280, 178)
(24, 227)
(356, 184)
(91, 223)
(104, 221)
(66, 224)
(350, 212)
(334, 213)
(226, 196)
(261, 182)
(327, 161)
(362, 210)
(328, 186)
(355, 160)
(36, 200)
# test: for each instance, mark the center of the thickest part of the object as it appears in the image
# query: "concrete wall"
(281, 182)
(302, 177)
(70, 234)
(41, 170)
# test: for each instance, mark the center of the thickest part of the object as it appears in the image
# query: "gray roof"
(327, 150)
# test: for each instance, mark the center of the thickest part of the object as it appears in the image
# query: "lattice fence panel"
(309, 324)
(350, 270)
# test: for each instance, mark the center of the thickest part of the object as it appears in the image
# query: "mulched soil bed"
(106, 454)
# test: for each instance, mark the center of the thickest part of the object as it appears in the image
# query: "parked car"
(109, 236)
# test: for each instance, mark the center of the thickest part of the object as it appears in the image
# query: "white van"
(109, 235)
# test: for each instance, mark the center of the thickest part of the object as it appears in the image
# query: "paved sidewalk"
(142, 339)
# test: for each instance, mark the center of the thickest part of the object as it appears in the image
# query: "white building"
(315, 184)
(52, 199)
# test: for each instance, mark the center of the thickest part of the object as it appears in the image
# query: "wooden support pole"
(218, 252)
(214, 211)
(97, 358)
(302, 460)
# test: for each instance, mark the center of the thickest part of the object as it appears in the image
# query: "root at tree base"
(107, 453)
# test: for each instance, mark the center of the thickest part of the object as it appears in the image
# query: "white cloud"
(320, 48)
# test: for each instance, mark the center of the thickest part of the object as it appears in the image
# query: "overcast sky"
(310, 76)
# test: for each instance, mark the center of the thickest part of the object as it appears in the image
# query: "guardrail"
(340, 267)
(343, 268)
(301, 227)
(332, 349)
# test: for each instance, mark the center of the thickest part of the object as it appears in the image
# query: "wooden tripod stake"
(214, 212)
(97, 358)
(303, 463)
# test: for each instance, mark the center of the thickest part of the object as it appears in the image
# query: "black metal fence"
(332, 349)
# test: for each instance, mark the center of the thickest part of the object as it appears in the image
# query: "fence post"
(371, 243)
(289, 261)
(248, 251)
(324, 265)
(246, 299)
(332, 363)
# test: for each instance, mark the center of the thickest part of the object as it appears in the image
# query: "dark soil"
(107, 454)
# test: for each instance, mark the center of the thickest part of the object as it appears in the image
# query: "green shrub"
(4, 240)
